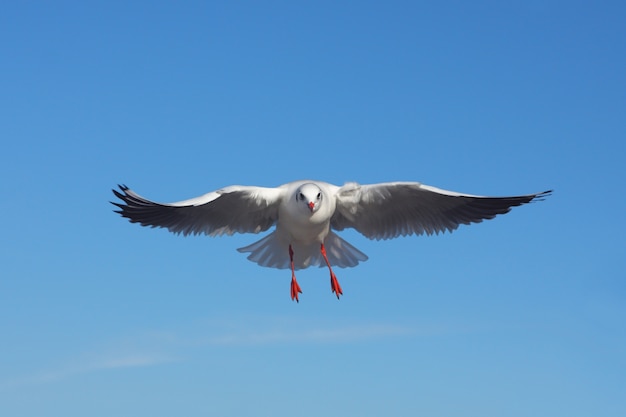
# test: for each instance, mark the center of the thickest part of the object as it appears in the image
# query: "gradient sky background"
(524, 315)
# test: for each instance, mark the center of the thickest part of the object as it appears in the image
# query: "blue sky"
(522, 315)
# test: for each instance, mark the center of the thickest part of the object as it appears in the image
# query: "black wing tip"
(542, 195)
(123, 188)
(122, 197)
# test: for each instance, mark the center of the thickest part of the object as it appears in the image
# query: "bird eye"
(301, 196)
(319, 196)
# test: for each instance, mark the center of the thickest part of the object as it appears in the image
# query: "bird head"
(309, 195)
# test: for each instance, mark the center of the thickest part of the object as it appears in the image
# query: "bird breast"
(303, 226)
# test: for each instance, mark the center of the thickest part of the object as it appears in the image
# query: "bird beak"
(311, 206)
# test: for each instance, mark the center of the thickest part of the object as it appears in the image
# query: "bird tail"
(340, 253)
(272, 252)
(269, 251)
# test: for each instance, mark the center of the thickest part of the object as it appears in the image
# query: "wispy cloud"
(87, 366)
(161, 347)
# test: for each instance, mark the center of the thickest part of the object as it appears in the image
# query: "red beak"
(311, 205)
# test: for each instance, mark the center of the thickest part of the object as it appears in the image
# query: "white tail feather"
(274, 253)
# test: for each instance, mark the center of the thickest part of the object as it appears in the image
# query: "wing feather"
(234, 209)
(388, 210)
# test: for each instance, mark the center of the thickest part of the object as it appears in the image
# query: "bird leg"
(295, 288)
(334, 284)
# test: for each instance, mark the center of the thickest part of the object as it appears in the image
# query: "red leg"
(295, 288)
(334, 284)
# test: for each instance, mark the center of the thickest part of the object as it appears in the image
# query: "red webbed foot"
(295, 289)
(334, 285)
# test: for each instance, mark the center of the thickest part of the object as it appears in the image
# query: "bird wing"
(231, 209)
(388, 210)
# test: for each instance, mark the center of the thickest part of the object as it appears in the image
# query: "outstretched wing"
(388, 210)
(234, 209)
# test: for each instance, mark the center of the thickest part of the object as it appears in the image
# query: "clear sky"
(523, 315)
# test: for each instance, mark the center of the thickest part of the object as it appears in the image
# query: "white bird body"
(305, 214)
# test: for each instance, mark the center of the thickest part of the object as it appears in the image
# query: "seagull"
(307, 213)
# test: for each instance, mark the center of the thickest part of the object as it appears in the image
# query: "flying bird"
(307, 214)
